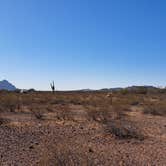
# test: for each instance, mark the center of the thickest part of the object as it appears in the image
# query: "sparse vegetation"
(81, 128)
(155, 110)
(3, 121)
(124, 129)
(9, 101)
(38, 115)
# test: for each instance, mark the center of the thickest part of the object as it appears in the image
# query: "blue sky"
(83, 43)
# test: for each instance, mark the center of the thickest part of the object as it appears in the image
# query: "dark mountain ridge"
(5, 85)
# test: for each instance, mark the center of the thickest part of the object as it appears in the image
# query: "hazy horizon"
(49, 88)
(82, 44)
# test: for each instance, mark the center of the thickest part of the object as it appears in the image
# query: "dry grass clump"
(104, 114)
(134, 103)
(135, 90)
(64, 115)
(58, 101)
(9, 102)
(3, 121)
(116, 122)
(37, 111)
(38, 115)
(99, 115)
(124, 129)
(67, 157)
(64, 154)
(156, 109)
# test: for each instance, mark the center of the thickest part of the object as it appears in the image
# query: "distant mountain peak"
(5, 81)
(6, 85)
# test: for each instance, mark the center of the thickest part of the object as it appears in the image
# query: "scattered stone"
(91, 150)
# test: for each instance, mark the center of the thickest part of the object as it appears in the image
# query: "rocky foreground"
(59, 131)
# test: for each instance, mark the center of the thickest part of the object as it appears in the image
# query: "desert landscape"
(82, 83)
(119, 128)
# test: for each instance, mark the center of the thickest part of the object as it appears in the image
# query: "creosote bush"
(123, 129)
(9, 101)
(4, 121)
(156, 110)
(37, 113)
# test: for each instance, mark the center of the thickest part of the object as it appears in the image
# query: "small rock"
(91, 150)
(31, 147)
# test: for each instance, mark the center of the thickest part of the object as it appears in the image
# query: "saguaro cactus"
(52, 86)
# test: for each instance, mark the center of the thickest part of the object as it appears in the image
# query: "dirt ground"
(82, 128)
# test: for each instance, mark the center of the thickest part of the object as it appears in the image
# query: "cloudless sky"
(83, 43)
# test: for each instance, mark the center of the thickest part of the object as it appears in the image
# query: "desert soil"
(76, 139)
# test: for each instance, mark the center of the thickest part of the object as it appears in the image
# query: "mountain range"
(5, 85)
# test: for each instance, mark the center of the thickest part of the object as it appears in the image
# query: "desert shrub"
(67, 157)
(49, 109)
(105, 114)
(9, 101)
(1, 121)
(31, 90)
(63, 155)
(75, 102)
(141, 90)
(58, 101)
(135, 90)
(116, 122)
(4, 121)
(159, 90)
(99, 114)
(38, 115)
(17, 91)
(65, 115)
(134, 103)
(124, 91)
(37, 112)
(159, 110)
(124, 129)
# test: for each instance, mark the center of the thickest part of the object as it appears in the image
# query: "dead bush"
(156, 110)
(105, 114)
(124, 129)
(135, 103)
(58, 101)
(116, 122)
(75, 102)
(124, 91)
(141, 90)
(99, 114)
(63, 155)
(4, 121)
(9, 102)
(38, 114)
(67, 157)
(50, 109)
